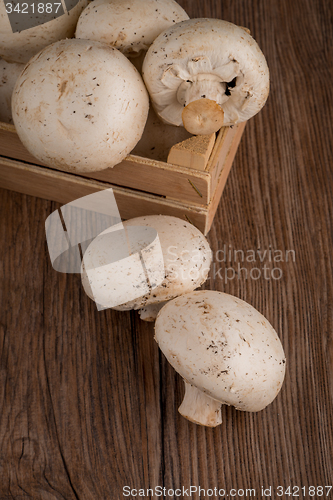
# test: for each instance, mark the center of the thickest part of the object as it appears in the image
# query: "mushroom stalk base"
(200, 408)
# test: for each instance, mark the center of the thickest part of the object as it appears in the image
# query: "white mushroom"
(226, 352)
(80, 106)
(205, 73)
(9, 73)
(186, 256)
(129, 26)
(22, 45)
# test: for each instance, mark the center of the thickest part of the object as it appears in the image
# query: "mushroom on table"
(205, 73)
(186, 259)
(226, 352)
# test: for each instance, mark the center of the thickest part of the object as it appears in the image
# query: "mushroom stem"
(202, 117)
(200, 408)
(202, 99)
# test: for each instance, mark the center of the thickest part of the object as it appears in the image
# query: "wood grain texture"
(193, 152)
(88, 404)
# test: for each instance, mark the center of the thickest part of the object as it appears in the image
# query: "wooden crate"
(141, 186)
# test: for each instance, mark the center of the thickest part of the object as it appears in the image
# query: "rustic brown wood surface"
(87, 402)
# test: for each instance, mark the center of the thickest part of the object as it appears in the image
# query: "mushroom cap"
(80, 106)
(224, 347)
(21, 46)
(129, 26)
(209, 58)
(186, 255)
(9, 73)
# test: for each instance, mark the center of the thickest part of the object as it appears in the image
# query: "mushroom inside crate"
(130, 26)
(226, 352)
(79, 106)
(205, 73)
(9, 73)
(19, 46)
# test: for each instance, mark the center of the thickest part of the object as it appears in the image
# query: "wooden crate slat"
(224, 169)
(135, 172)
(63, 187)
(174, 182)
(225, 140)
(165, 188)
(158, 178)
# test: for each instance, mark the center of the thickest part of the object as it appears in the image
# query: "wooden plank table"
(88, 404)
